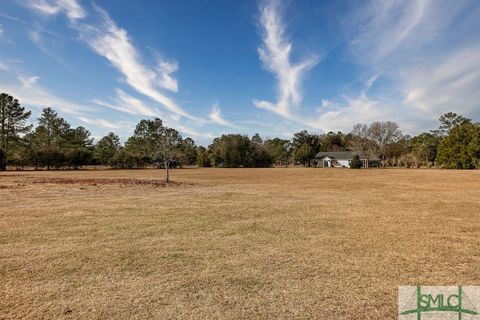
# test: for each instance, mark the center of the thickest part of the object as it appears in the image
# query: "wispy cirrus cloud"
(126, 103)
(108, 40)
(114, 43)
(103, 123)
(30, 92)
(216, 117)
(150, 80)
(275, 54)
(415, 44)
(71, 8)
(380, 30)
(164, 70)
(449, 84)
(46, 45)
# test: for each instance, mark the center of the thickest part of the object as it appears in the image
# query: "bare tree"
(360, 142)
(169, 143)
(384, 134)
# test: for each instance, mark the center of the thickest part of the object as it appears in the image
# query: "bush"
(356, 163)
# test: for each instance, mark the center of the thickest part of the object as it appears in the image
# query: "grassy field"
(232, 243)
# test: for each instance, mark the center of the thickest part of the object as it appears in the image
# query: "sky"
(269, 66)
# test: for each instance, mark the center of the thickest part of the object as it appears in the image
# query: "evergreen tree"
(49, 140)
(460, 149)
(106, 148)
(356, 163)
(189, 150)
(13, 123)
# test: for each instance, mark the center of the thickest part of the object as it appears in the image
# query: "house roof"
(339, 155)
(343, 155)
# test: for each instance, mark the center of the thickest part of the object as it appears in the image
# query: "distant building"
(342, 159)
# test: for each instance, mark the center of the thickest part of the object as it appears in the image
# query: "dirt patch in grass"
(9, 174)
(98, 182)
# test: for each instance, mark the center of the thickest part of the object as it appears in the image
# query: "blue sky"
(273, 67)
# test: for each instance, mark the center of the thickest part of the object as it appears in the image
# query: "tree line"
(54, 144)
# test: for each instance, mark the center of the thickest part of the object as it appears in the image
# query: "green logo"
(444, 302)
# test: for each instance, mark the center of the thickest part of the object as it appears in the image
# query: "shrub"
(356, 163)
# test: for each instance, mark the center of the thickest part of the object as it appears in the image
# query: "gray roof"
(343, 155)
(339, 155)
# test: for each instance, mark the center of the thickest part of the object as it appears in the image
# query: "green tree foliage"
(54, 144)
(305, 147)
(154, 144)
(279, 149)
(460, 149)
(79, 147)
(356, 163)
(235, 150)
(396, 149)
(449, 121)
(203, 157)
(126, 160)
(334, 141)
(189, 152)
(424, 147)
(13, 125)
(304, 154)
(143, 143)
(256, 138)
(106, 148)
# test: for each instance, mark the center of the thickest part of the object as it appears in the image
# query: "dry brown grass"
(233, 243)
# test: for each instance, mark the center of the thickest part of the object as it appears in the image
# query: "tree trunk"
(168, 172)
(3, 160)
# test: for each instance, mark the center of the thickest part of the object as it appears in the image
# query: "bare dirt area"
(232, 243)
(96, 182)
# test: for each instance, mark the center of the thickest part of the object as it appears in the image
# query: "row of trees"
(55, 144)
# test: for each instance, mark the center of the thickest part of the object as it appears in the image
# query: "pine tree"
(13, 123)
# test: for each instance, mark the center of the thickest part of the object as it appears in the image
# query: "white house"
(342, 159)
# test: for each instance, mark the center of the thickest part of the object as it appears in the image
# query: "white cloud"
(29, 92)
(341, 116)
(35, 36)
(415, 45)
(216, 117)
(128, 104)
(101, 123)
(108, 40)
(71, 8)
(275, 54)
(449, 84)
(378, 29)
(28, 82)
(192, 132)
(165, 69)
(114, 43)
